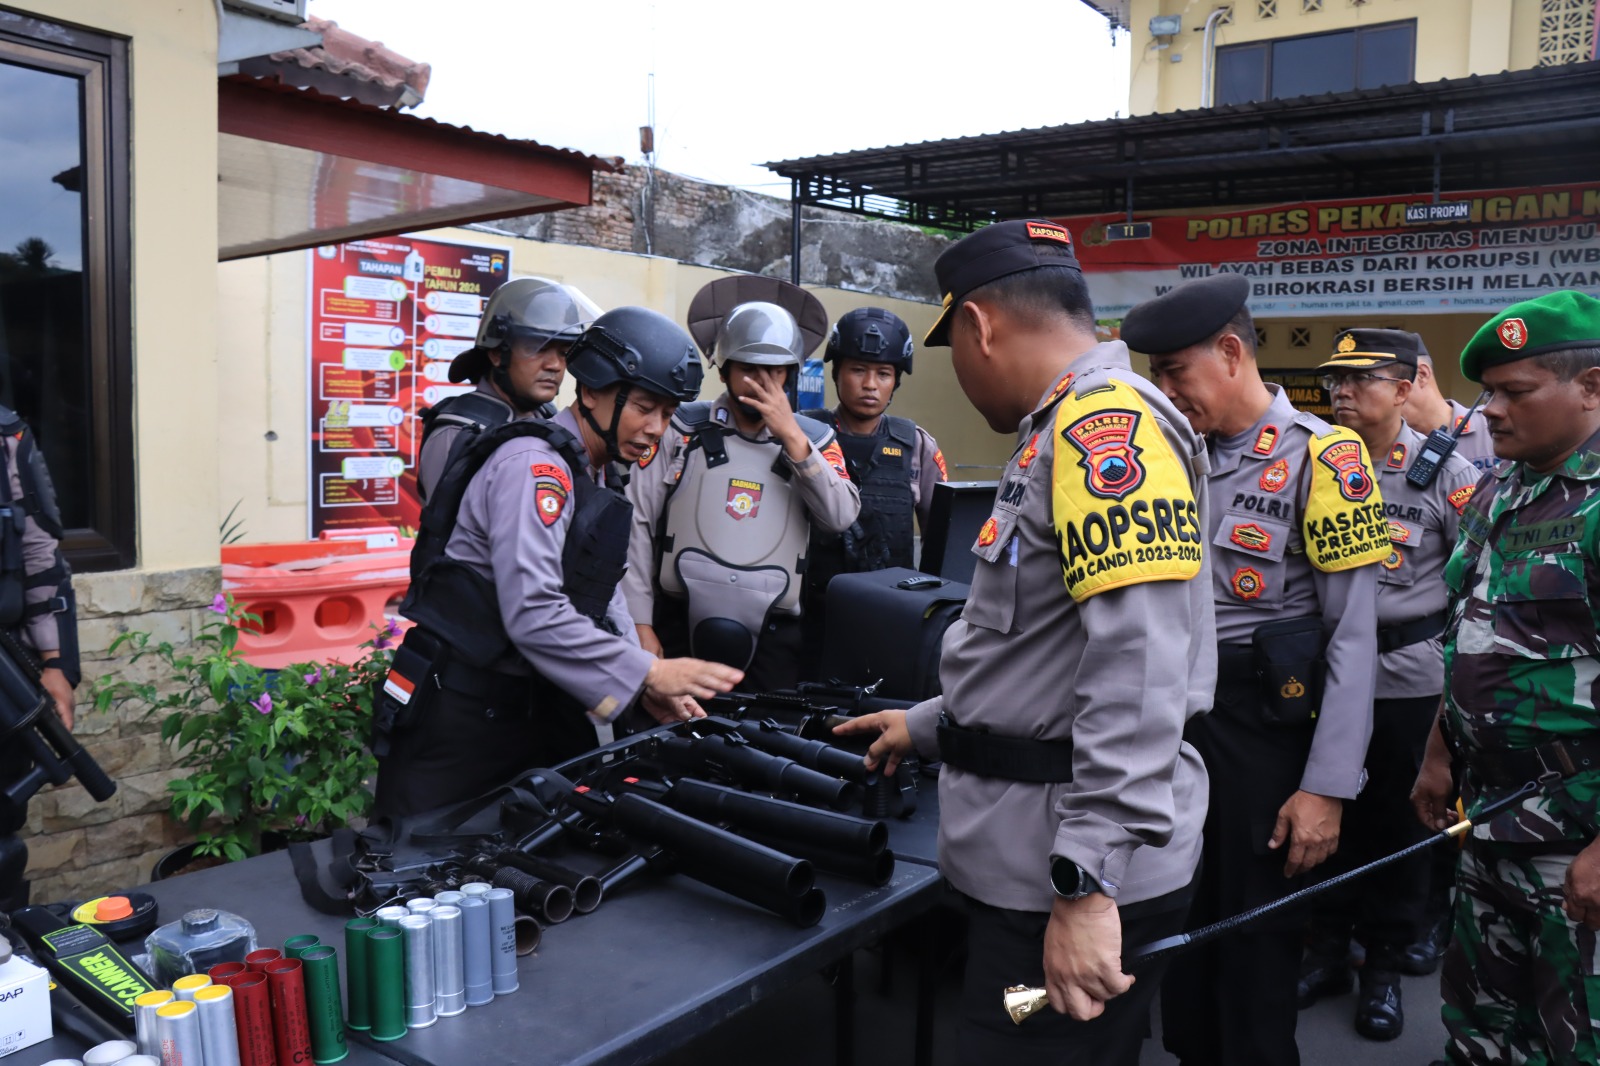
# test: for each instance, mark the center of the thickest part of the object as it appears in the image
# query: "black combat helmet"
(638, 347)
(871, 335)
(635, 348)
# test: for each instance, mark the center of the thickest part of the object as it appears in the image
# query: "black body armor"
(884, 534)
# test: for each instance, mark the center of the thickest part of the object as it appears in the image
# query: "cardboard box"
(24, 1005)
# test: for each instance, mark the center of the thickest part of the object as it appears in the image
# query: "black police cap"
(992, 253)
(1361, 349)
(1190, 313)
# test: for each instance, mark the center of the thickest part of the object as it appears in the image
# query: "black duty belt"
(1404, 634)
(503, 692)
(1507, 769)
(1036, 762)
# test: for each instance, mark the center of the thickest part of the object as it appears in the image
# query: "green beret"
(1554, 322)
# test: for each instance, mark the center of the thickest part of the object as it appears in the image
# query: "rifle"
(28, 717)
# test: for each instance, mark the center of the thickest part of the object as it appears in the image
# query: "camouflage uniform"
(1522, 668)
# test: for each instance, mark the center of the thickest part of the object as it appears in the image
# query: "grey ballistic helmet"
(535, 309)
(752, 319)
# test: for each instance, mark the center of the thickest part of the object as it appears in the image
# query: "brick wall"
(77, 847)
(718, 226)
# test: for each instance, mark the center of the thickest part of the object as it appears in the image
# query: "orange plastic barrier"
(317, 600)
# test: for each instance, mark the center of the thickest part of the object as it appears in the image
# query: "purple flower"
(263, 704)
(300, 819)
(386, 635)
(220, 604)
(314, 676)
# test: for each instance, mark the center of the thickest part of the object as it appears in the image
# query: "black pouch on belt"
(1290, 666)
(406, 693)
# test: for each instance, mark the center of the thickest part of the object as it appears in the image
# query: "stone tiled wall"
(77, 847)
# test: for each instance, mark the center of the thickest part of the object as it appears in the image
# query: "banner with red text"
(386, 317)
(1358, 257)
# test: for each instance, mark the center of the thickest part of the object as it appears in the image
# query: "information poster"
(387, 316)
(1305, 390)
(1359, 256)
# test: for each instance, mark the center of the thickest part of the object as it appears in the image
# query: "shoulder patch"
(649, 456)
(1344, 522)
(938, 461)
(1459, 498)
(1122, 506)
(833, 455)
(1030, 452)
(1266, 440)
(1061, 386)
(554, 473)
(1397, 456)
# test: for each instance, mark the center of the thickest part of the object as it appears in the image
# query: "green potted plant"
(281, 754)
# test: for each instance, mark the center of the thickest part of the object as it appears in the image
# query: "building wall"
(75, 844)
(263, 383)
(1455, 38)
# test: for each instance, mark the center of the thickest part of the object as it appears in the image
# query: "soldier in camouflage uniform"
(1522, 680)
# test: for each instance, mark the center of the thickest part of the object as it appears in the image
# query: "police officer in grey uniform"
(724, 511)
(1297, 530)
(1428, 409)
(523, 642)
(517, 363)
(1369, 379)
(893, 461)
(1070, 805)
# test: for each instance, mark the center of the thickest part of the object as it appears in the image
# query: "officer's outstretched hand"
(893, 743)
(60, 689)
(1310, 823)
(668, 709)
(1582, 888)
(1083, 956)
(671, 678)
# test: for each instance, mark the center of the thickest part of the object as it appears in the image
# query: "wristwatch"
(1070, 880)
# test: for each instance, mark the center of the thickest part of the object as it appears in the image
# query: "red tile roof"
(348, 66)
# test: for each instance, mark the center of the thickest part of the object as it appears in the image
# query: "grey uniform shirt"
(501, 535)
(927, 468)
(1422, 528)
(39, 553)
(1259, 485)
(1118, 673)
(436, 450)
(830, 497)
(1475, 445)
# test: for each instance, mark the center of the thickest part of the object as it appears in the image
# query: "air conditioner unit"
(292, 11)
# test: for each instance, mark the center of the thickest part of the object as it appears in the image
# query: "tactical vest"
(459, 605)
(473, 413)
(884, 534)
(734, 510)
(38, 501)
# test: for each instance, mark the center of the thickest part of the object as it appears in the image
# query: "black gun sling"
(1034, 762)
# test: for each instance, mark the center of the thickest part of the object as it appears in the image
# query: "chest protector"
(734, 535)
(884, 534)
(457, 603)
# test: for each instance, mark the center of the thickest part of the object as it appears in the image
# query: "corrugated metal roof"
(1518, 127)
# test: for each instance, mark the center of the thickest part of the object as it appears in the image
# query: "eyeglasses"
(1356, 378)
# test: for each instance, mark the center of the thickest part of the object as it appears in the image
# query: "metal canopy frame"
(1521, 128)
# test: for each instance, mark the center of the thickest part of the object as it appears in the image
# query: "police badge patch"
(1344, 458)
(1248, 584)
(987, 535)
(1110, 458)
(1394, 560)
(1275, 476)
(1251, 537)
(744, 498)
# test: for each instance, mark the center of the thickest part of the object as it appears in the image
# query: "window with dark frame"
(1364, 57)
(65, 324)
